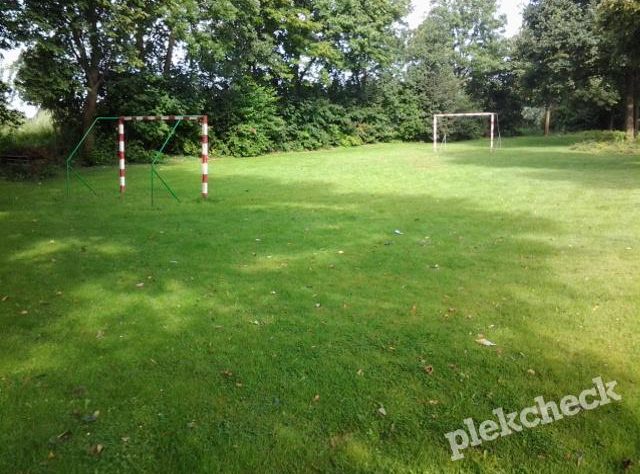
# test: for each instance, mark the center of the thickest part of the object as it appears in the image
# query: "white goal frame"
(492, 115)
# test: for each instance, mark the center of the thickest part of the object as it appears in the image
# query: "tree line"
(304, 74)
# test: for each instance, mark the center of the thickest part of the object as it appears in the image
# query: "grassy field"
(284, 326)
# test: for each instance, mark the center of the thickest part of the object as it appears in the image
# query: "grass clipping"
(610, 142)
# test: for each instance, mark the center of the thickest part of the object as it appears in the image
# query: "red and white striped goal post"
(204, 139)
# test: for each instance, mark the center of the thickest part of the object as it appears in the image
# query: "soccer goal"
(122, 120)
(493, 118)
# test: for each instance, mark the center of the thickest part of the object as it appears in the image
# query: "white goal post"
(492, 115)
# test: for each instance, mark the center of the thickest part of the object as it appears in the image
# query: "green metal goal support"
(204, 155)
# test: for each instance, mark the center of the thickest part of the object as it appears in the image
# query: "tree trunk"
(611, 119)
(169, 57)
(140, 46)
(636, 105)
(89, 112)
(547, 120)
(630, 105)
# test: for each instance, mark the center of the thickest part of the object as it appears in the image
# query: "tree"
(620, 23)
(458, 58)
(81, 43)
(364, 32)
(559, 52)
(7, 116)
(77, 43)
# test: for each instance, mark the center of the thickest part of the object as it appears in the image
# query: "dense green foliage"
(306, 74)
(579, 58)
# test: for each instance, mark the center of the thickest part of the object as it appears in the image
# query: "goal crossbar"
(492, 115)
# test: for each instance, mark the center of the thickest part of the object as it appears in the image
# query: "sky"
(511, 8)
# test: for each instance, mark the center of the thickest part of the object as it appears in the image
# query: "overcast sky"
(511, 8)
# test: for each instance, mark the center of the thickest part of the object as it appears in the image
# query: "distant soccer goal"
(494, 127)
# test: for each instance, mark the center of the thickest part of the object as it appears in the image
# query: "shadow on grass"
(269, 295)
(594, 171)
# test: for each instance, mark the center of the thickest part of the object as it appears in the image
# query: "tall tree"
(7, 23)
(559, 52)
(620, 22)
(458, 57)
(81, 43)
(365, 34)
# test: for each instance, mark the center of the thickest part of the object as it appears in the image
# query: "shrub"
(38, 141)
(313, 124)
(37, 133)
(247, 120)
(247, 140)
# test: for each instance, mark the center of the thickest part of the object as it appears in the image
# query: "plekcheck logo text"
(541, 413)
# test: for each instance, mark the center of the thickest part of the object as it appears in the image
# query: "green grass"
(289, 283)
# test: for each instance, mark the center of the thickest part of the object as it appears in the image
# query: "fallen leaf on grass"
(531, 372)
(96, 449)
(24, 311)
(5, 298)
(316, 398)
(140, 285)
(100, 334)
(428, 369)
(226, 373)
(483, 341)
(64, 436)
(51, 455)
(360, 372)
(382, 411)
